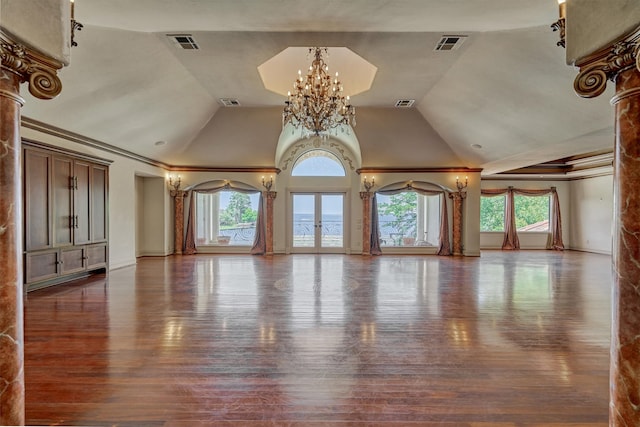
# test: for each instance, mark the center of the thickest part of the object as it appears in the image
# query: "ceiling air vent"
(229, 102)
(185, 41)
(450, 42)
(405, 103)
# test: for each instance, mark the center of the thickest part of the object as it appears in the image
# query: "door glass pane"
(332, 221)
(303, 220)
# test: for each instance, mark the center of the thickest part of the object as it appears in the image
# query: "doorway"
(317, 222)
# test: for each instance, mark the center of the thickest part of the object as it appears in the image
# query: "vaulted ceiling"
(503, 100)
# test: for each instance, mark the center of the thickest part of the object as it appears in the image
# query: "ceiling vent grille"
(450, 42)
(404, 103)
(229, 102)
(185, 41)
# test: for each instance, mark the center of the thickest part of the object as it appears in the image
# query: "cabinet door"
(41, 265)
(72, 260)
(96, 256)
(99, 203)
(37, 200)
(63, 184)
(82, 202)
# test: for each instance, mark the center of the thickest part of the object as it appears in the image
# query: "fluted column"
(366, 222)
(178, 220)
(619, 63)
(17, 64)
(457, 197)
(271, 195)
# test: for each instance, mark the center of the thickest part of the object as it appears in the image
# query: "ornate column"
(178, 220)
(18, 64)
(620, 63)
(457, 197)
(271, 196)
(366, 222)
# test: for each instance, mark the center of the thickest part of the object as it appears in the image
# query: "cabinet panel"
(41, 265)
(72, 260)
(99, 204)
(65, 213)
(96, 256)
(37, 203)
(82, 203)
(62, 188)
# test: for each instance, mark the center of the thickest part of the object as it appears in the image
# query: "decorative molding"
(263, 169)
(417, 170)
(316, 143)
(39, 70)
(53, 148)
(606, 64)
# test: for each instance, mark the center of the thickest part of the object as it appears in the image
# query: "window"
(532, 213)
(318, 163)
(409, 219)
(226, 218)
(492, 213)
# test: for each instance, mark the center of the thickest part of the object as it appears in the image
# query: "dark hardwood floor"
(513, 339)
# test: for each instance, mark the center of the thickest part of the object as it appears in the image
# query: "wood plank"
(503, 340)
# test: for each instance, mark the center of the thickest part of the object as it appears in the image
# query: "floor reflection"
(327, 338)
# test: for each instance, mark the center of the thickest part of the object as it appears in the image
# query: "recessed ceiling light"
(476, 146)
(159, 143)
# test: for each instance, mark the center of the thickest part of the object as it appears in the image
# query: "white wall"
(122, 195)
(531, 240)
(592, 214)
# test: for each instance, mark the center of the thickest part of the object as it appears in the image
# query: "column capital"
(606, 64)
(31, 66)
(271, 194)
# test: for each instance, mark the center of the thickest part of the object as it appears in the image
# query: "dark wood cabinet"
(65, 214)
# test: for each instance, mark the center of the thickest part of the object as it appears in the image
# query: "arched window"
(226, 218)
(409, 219)
(318, 163)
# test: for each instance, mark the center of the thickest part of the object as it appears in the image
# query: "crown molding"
(461, 169)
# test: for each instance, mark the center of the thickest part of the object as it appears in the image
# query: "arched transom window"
(318, 163)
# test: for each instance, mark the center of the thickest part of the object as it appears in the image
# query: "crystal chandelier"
(317, 105)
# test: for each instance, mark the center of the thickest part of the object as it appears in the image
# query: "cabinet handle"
(71, 221)
(71, 182)
(75, 221)
(75, 182)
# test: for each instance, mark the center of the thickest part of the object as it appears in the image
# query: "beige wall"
(594, 24)
(591, 220)
(42, 24)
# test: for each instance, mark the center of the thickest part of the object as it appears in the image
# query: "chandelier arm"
(317, 103)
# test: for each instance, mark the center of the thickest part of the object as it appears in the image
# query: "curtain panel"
(511, 241)
(424, 188)
(259, 246)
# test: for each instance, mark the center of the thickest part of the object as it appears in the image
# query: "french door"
(317, 224)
